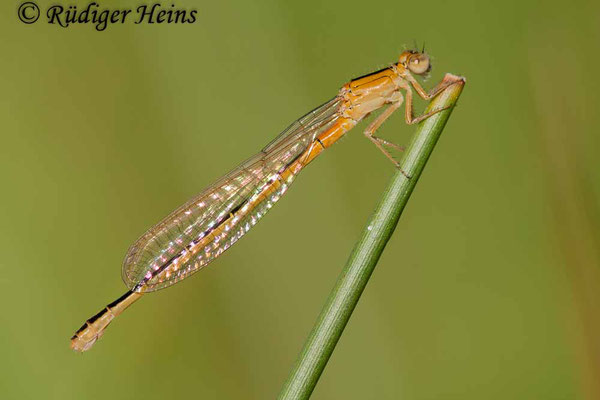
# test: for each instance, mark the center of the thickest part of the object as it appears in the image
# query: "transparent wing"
(203, 228)
(303, 124)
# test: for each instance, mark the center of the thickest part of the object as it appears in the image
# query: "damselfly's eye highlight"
(419, 64)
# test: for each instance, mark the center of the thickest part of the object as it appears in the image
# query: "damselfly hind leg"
(381, 143)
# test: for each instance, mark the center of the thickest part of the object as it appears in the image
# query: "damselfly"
(203, 228)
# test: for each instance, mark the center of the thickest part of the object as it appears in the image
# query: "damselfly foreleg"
(439, 88)
(408, 110)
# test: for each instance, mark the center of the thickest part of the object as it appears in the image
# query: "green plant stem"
(355, 275)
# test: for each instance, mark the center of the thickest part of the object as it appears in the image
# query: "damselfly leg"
(396, 103)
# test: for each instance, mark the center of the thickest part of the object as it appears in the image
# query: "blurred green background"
(489, 288)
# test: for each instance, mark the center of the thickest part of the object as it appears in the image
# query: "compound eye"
(419, 64)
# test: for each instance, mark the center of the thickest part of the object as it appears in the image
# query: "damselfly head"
(416, 62)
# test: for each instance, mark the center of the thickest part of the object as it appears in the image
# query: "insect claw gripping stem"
(404, 173)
